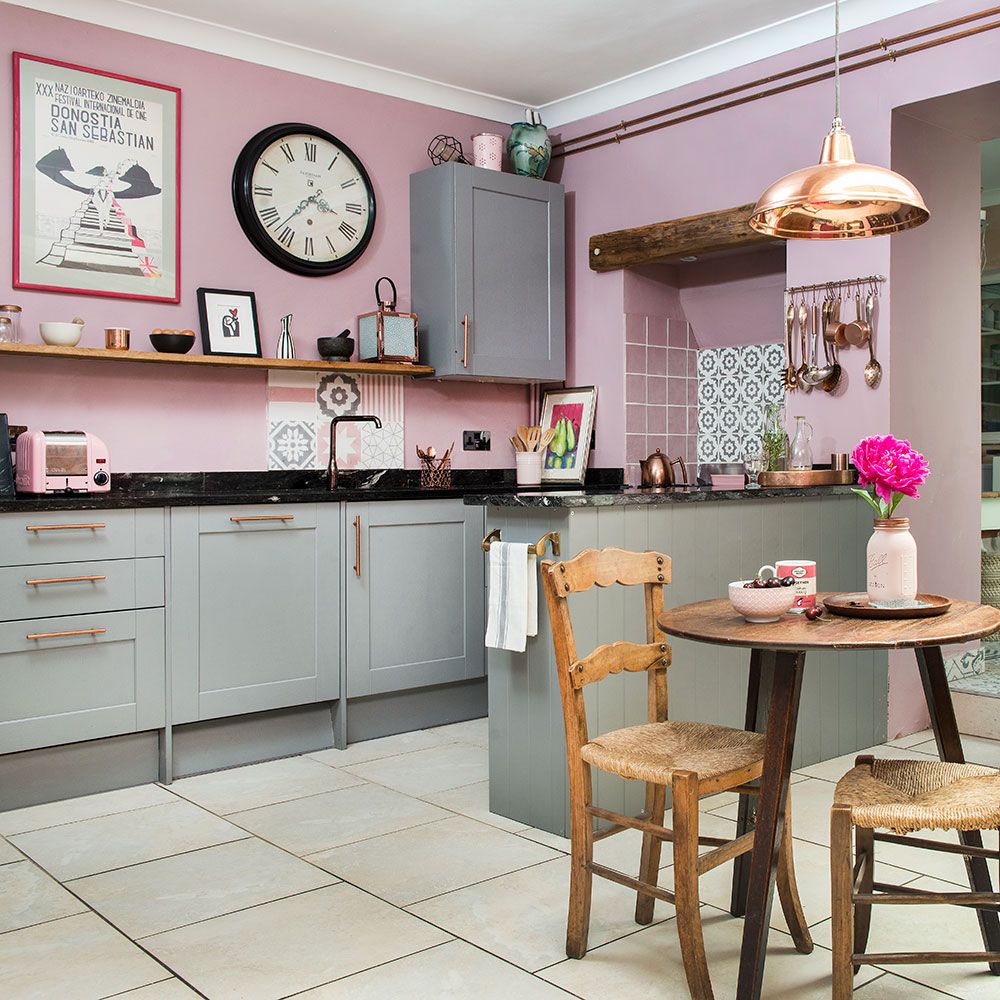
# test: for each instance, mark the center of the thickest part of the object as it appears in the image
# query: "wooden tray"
(806, 477)
(858, 606)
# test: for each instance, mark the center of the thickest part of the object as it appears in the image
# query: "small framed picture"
(570, 412)
(228, 323)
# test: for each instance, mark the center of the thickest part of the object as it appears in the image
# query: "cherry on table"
(814, 614)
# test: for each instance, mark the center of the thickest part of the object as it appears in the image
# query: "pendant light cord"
(837, 123)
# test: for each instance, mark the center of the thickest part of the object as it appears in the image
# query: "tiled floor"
(379, 873)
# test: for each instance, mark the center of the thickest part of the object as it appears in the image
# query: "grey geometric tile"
(752, 359)
(291, 444)
(338, 395)
(382, 448)
(729, 361)
(774, 357)
(708, 364)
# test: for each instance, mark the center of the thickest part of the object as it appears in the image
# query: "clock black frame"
(247, 215)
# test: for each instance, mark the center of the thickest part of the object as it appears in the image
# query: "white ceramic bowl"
(761, 604)
(61, 334)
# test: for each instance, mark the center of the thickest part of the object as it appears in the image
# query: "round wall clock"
(303, 198)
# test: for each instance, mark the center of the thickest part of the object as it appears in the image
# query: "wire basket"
(991, 585)
(435, 475)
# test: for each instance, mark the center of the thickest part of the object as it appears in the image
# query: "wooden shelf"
(213, 360)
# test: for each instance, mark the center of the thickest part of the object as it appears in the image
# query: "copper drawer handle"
(60, 635)
(63, 527)
(357, 545)
(64, 579)
(465, 341)
(263, 517)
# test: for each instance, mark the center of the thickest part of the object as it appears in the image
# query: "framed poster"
(96, 182)
(228, 323)
(571, 413)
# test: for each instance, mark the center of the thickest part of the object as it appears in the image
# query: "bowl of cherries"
(763, 599)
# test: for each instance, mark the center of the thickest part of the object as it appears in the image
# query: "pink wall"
(160, 420)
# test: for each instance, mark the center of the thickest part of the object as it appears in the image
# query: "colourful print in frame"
(228, 323)
(96, 182)
(570, 412)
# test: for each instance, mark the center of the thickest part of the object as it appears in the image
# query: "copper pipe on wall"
(887, 55)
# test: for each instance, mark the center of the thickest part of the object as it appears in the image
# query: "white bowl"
(61, 334)
(761, 604)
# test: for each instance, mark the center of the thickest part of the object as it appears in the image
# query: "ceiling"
(571, 58)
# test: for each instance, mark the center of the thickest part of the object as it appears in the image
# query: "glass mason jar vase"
(773, 438)
(892, 562)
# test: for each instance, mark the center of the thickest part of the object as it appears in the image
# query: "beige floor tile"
(475, 731)
(428, 860)
(930, 928)
(29, 896)
(160, 895)
(978, 750)
(648, 965)
(84, 807)
(474, 801)
(912, 739)
(835, 768)
(452, 971)
(9, 853)
(892, 987)
(426, 771)
(950, 867)
(292, 944)
(521, 917)
(76, 958)
(811, 801)
(386, 746)
(167, 989)
(545, 838)
(107, 842)
(241, 788)
(320, 822)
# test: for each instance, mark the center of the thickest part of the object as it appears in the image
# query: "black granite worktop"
(190, 489)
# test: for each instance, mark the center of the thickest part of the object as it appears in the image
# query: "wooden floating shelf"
(213, 360)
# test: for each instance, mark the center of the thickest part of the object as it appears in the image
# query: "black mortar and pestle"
(339, 348)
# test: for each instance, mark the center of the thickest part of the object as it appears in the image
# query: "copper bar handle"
(465, 341)
(60, 635)
(357, 545)
(64, 579)
(62, 527)
(263, 517)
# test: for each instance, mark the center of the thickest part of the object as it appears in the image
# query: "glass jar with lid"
(10, 331)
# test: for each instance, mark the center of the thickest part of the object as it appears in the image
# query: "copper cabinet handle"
(465, 341)
(62, 527)
(357, 545)
(263, 517)
(60, 635)
(64, 579)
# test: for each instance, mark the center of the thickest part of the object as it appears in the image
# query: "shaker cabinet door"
(254, 609)
(415, 596)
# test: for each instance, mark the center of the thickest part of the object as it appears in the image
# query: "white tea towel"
(512, 613)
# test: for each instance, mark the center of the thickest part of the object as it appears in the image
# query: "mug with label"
(803, 572)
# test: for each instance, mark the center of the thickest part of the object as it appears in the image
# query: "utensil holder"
(529, 468)
(435, 475)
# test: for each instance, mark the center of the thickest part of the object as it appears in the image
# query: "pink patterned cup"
(487, 150)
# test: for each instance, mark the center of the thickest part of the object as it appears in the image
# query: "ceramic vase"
(285, 350)
(892, 563)
(529, 149)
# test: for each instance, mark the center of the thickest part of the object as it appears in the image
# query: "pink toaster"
(61, 462)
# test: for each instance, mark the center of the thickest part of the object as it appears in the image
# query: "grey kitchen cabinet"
(415, 594)
(488, 273)
(254, 608)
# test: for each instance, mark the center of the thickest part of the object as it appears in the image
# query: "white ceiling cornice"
(732, 53)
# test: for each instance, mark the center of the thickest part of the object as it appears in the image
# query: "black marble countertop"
(141, 489)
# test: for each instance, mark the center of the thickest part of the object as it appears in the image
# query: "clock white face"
(311, 199)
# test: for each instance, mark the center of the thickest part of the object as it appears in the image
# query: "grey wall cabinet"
(415, 595)
(254, 608)
(488, 273)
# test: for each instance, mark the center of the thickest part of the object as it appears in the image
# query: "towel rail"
(538, 548)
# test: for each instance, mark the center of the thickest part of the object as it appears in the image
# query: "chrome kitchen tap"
(357, 418)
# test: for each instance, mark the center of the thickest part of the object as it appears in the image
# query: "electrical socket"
(475, 440)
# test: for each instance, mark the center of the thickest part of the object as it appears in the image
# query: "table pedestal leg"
(949, 746)
(770, 820)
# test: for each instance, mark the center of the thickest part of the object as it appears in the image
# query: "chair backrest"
(606, 568)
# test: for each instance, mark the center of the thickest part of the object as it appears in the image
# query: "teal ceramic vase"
(528, 147)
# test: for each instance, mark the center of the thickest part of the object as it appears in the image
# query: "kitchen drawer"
(61, 687)
(256, 517)
(80, 588)
(67, 536)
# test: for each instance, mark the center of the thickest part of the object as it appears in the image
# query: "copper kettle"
(657, 471)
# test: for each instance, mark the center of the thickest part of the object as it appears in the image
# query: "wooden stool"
(693, 758)
(903, 796)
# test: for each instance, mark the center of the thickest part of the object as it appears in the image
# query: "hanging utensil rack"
(847, 284)
(537, 549)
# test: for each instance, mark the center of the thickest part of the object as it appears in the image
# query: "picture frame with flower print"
(570, 412)
(228, 323)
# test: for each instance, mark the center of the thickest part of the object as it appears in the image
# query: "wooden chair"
(692, 758)
(903, 796)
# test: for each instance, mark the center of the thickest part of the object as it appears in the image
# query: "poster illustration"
(570, 414)
(96, 198)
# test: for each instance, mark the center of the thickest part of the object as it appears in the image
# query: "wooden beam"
(694, 235)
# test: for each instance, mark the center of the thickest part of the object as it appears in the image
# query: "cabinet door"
(415, 595)
(254, 608)
(510, 274)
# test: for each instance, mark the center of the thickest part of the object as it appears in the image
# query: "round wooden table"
(777, 659)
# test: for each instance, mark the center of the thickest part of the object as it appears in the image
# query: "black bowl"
(171, 343)
(335, 347)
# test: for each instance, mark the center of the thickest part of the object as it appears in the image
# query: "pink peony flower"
(892, 468)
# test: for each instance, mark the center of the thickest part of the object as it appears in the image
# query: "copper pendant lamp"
(838, 198)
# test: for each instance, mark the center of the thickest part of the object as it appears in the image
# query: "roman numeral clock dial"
(303, 199)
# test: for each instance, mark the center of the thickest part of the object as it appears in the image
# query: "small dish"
(761, 605)
(172, 341)
(61, 334)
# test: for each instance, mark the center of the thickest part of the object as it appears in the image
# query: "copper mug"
(116, 338)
